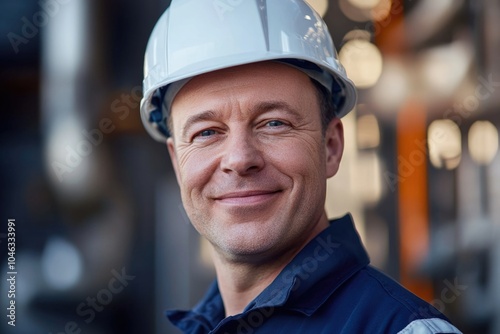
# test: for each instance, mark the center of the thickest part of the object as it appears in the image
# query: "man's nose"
(241, 154)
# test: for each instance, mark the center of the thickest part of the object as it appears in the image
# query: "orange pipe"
(390, 36)
(413, 196)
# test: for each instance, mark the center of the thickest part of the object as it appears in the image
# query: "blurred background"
(102, 242)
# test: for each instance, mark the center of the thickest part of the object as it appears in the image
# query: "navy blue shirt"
(329, 287)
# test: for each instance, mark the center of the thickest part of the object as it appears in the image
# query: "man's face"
(251, 158)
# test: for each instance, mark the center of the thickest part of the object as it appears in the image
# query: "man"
(248, 98)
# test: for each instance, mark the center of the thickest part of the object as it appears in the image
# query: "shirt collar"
(207, 313)
(304, 284)
(318, 270)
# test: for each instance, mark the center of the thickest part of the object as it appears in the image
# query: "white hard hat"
(194, 37)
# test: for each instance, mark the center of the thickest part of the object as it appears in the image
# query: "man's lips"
(246, 197)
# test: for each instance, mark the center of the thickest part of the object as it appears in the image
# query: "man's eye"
(206, 133)
(275, 123)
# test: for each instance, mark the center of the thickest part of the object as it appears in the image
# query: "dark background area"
(118, 213)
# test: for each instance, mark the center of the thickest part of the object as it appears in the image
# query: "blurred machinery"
(426, 134)
(421, 170)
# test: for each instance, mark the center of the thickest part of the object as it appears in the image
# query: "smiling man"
(249, 101)
(252, 158)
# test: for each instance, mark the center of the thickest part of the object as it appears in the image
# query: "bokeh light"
(445, 144)
(62, 264)
(367, 132)
(321, 6)
(362, 61)
(483, 142)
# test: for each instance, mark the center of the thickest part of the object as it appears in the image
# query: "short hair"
(327, 108)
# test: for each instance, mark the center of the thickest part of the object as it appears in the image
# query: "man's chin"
(246, 251)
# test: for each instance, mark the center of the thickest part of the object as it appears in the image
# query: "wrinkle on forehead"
(218, 80)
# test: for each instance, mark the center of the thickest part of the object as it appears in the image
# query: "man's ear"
(173, 158)
(334, 145)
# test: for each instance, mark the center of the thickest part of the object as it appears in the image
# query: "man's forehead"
(258, 79)
(268, 70)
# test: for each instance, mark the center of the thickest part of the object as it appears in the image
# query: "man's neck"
(240, 282)
(240, 285)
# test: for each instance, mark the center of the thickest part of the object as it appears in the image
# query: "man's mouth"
(249, 197)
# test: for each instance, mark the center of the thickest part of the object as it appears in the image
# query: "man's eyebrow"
(266, 106)
(203, 116)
